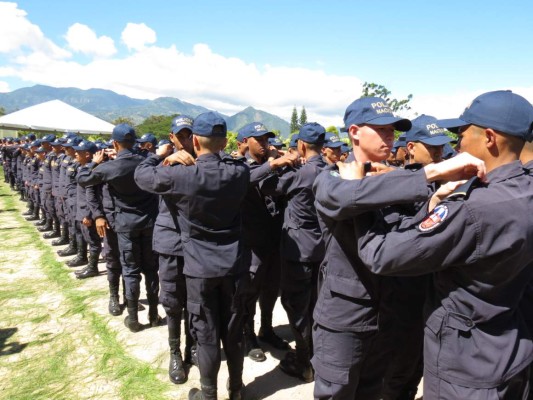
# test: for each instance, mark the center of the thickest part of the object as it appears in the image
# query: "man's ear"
(490, 138)
(353, 132)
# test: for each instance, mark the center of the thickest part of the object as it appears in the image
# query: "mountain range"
(108, 105)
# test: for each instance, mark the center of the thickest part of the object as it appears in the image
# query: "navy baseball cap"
(101, 145)
(181, 122)
(255, 129)
(72, 141)
(31, 136)
(294, 141)
(426, 130)
(345, 148)
(448, 152)
(123, 133)
(332, 141)
(209, 124)
(36, 143)
(373, 111)
(86, 145)
(400, 142)
(69, 134)
(148, 137)
(313, 133)
(59, 141)
(48, 138)
(162, 142)
(40, 150)
(275, 141)
(501, 110)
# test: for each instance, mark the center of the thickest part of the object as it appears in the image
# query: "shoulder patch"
(434, 219)
(335, 174)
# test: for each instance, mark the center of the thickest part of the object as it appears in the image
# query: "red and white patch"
(434, 219)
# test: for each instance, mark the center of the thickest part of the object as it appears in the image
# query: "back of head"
(124, 134)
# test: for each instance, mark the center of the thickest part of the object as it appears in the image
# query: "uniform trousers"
(112, 257)
(265, 271)
(136, 257)
(517, 388)
(215, 307)
(298, 297)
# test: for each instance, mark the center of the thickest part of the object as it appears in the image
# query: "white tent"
(55, 116)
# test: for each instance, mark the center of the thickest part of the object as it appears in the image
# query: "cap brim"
(438, 140)
(180, 127)
(333, 145)
(258, 134)
(452, 124)
(400, 124)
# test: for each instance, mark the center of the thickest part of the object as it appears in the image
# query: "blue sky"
(272, 54)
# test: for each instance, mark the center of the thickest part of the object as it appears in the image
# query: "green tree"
(123, 120)
(294, 121)
(377, 90)
(159, 125)
(303, 116)
(2, 111)
(232, 142)
(332, 129)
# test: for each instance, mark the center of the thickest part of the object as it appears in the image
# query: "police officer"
(61, 224)
(346, 312)
(84, 153)
(147, 144)
(167, 243)
(208, 197)
(262, 220)
(136, 211)
(302, 248)
(477, 343)
(331, 151)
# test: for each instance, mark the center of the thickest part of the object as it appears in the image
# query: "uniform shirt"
(134, 208)
(82, 208)
(262, 214)
(208, 196)
(71, 184)
(478, 245)
(62, 188)
(301, 238)
(56, 170)
(47, 171)
(348, 299)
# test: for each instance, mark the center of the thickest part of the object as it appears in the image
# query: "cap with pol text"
(72, 141)
(426, 130)
(181, 122)
(255, 129)
(312, 133)
(332, 141)
(86, 145)
(48, 138)
(276, 142)
(209, 124)
(501, 110)
(373, 111)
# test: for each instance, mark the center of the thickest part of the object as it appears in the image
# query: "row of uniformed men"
(355, 222)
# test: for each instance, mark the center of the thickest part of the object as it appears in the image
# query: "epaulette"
(466, 188)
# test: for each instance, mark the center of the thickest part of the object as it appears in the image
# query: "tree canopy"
(377, 90)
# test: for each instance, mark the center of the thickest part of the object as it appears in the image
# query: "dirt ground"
(263, 380)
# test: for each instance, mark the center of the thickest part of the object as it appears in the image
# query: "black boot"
(35, 215)
(91, 269)
(81, 256)
(176, 370)
(70, 250)
(153, 314)
(206, 393)
(43, 219)
(253, 350)
(47, 227)
(234, 390)
(56, 231)
(132, 320)
(114, 307)
(268, 335)
(63, 239)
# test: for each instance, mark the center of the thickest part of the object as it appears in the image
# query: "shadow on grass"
(12, 347)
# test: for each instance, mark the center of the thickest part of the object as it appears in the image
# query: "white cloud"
(4, 87)
(136, 36)
(18, 33)
(83, 39)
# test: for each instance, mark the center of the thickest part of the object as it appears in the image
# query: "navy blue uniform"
(302, 248)
(346, 312)
(208, 197)
(167, 243)
(477, 341)
(135, 212)
(262, 221)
